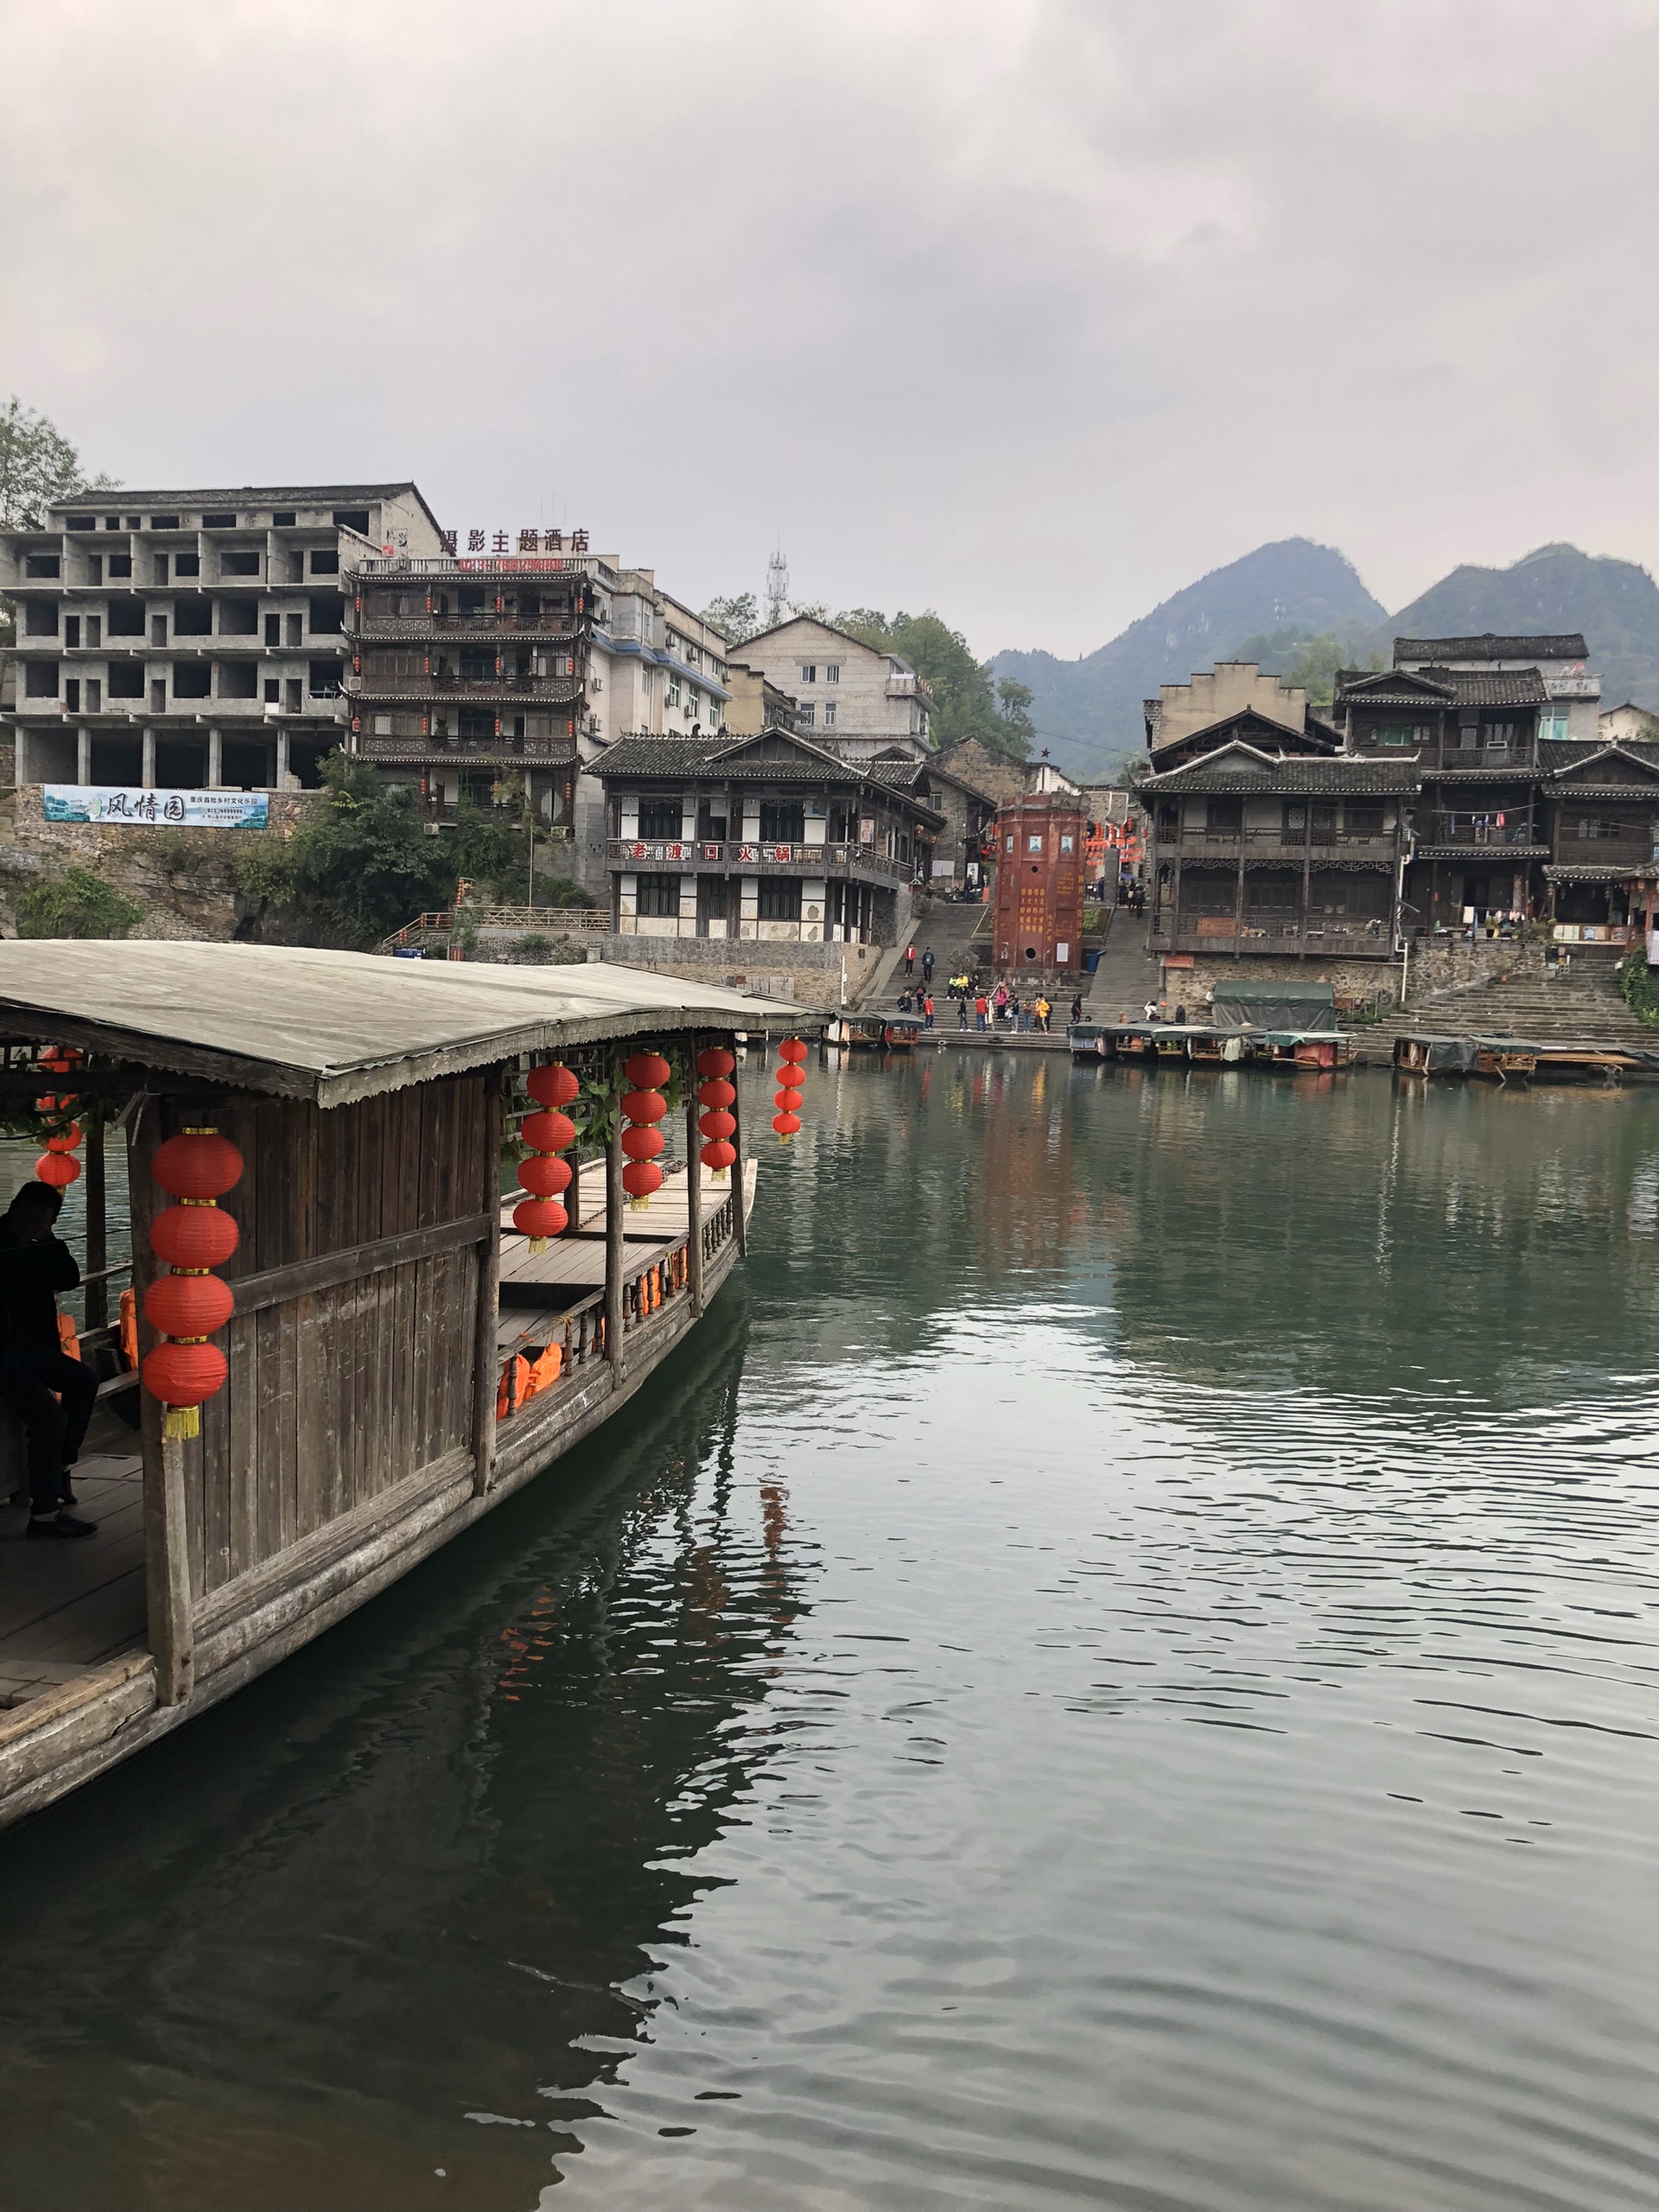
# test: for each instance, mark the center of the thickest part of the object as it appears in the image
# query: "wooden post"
(167, 1555)
(693, 1182)
(98, 1240)
(614, 1196)
(739, 1226)
(489, 1292)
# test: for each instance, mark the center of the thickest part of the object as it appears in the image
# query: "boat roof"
(335, 1027)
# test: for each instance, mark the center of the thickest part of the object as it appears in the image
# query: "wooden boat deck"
(66, 1607)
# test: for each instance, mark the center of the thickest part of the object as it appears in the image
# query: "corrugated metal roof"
(336, 1026)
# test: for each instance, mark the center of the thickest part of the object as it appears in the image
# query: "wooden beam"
(167, 1555)
(614, 1200)
(489, 1292)
(303, 1278)
(693, 1180)
(98, 1243)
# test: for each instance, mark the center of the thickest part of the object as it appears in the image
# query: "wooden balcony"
(738, 857)
(1325, 938)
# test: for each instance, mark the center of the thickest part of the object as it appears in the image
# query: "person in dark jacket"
(52, 1394)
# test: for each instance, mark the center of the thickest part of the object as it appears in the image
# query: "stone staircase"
(1583, 1006)
(957, 935)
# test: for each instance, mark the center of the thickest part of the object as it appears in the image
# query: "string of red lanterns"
(196, 1168)
(792, 1075)
(58, 1164)
(547, 1133)
(718, 1095)
(643, 1107)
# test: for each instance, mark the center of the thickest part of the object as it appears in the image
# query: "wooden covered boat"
(399, 1360)
(875, 1032)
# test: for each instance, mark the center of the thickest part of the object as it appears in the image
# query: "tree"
(1013, 701)
(738, 617)
(37, 465)
(75, 903)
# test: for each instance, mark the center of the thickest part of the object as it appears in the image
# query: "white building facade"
(853, 700)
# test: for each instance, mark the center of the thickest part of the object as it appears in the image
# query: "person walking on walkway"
(927, 966)
(962, 1015)
(927, 1008)
(1077, 1009)
(910, 960)
(52, 1394)
(982, 1011)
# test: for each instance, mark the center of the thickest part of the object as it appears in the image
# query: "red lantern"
(647, 1071)
(188, 1305)
(717, 1123)
(792, 1076)
(719, 1156)
(641, 1177)
(547, 1132)
(543, 1176)
(181, 1375)
(643, 1105)
(791, 1049)
(538, 1219)
(197, 1167)
(787, 1097)
(787, 1124)
(65, 1140)
(198, 1164)
(57, 1168)
(193, 1236)
(717, 1094)
(642, 1144)
(715, 1061)
(553, 1085)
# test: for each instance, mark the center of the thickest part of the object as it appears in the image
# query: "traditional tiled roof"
(1567, 645)
(664, 759)
(1452, 687)
(1233, 769)
(1635, 750)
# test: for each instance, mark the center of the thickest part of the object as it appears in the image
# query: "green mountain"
(1087, 711)
(1614, 603)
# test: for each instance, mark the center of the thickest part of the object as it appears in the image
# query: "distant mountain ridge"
(1087, 711)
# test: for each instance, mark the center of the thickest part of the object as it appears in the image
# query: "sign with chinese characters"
(170, 810)
(495, 544)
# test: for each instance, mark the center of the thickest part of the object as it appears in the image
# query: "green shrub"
(561, 890)
(1639, 984)
(75, 903)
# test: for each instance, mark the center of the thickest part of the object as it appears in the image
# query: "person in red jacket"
(52, 1394)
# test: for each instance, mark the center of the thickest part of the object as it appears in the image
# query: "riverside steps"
(399, 1358)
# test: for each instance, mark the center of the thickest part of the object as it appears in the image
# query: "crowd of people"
(980, 1006)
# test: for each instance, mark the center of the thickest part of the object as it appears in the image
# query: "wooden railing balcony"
(1479, 829)
(555, 628)
(1331, 936)
(1278, 845)
(564, 690)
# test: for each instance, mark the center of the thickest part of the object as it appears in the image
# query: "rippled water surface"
(1118, 1669)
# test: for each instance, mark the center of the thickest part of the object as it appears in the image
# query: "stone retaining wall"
(812, 975)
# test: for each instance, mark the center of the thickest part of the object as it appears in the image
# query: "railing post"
(613, 1246)
(739, 1227)
(693, 1182)
(489, 1291)
(98, 1248)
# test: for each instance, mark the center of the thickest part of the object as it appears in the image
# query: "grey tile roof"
(1293, 775)
(1556, 754)
(302, 495)
(1565, 644)
(1459, 687)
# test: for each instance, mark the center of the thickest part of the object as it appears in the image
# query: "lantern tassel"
(182, 1423)
(539, 1244)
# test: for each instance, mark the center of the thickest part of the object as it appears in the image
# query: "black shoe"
(61, 1524)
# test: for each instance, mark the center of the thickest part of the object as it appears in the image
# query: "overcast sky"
(1029, 310)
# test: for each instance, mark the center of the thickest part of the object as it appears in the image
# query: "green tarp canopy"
(1243, 1002)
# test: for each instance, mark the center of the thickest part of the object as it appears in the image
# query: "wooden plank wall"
(335, 1396)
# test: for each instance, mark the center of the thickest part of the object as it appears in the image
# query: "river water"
(1120, 1667)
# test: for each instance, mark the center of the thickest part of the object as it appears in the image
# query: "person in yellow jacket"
(1042, 1010)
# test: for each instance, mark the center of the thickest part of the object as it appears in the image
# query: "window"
(71, 694)
(325, 564)
(190, 679)
(40, 618)
(239, 561)
(39, 680)
(475, 722)
(805, 718)
(41, 564)
(1392, 734)
(662, 817)
(126, 679)
(163, 522)
(781, 899)
(273, 629)
(1224, 817)
(327, 615)
(273, 690)
(783, 821)
(657, 896)
(219, 522)
(187, 564)
(809, 672)
(83, 522)
(291, 694)
(193, 618)
(1500, 733)
(111, 522)
(127, 618)
(323, 679)
(832, 672)
(283, 521)
(1363, 821)
(383, 725)
(120, 566)
(355, 518)
(828, 713)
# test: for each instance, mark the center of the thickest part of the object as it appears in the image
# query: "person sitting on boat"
(52, 1394)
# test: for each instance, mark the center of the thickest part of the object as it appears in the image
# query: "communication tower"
(777, 588)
